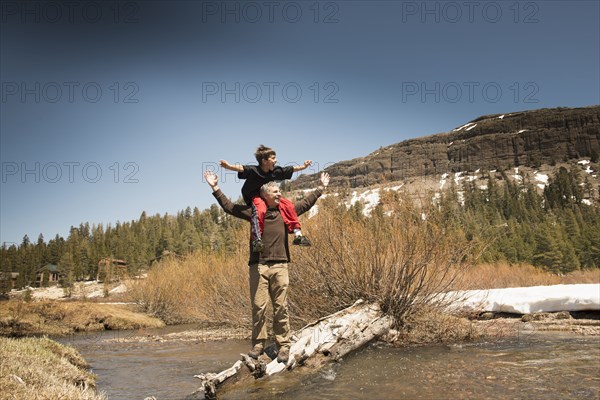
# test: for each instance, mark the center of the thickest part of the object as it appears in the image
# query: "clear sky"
(112, 108)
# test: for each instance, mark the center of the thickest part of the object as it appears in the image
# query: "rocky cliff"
(528, 139)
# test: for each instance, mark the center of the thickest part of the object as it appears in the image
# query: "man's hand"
(307, 163)
(324, 180)
(212, 179)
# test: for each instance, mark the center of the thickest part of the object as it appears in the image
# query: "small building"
(47, 275)
(10, 278)
(111, 269)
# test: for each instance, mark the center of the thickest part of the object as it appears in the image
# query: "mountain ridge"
(532, 138)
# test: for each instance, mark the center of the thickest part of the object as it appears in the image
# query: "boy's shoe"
(301, 241)
(257, 246)
(256, 351)
(283, 355)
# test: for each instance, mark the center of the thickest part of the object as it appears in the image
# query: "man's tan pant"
(270, 281)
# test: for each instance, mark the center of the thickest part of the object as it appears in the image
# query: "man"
(268, 269)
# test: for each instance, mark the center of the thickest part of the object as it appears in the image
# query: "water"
(543, 365)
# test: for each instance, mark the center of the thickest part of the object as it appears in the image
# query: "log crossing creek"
(532, 365)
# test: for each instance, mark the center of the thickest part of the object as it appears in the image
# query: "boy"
(258, 175)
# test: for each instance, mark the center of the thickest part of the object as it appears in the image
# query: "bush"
(401, 257)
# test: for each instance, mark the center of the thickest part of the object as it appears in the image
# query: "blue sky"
(111, 108)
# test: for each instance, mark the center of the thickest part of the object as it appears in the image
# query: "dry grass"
(20, 318)
(504, 275)
(208, 287)
(39, 368)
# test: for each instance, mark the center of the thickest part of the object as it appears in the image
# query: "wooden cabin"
(111, 269)
(47, 275)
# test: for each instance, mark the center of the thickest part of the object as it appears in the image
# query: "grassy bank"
(21, 318)
(39, 368)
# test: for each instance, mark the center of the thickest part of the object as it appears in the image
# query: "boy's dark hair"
(263, 153)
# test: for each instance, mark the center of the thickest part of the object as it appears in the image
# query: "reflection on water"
(537, 366)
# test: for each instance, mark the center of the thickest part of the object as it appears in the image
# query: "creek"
(534, 365)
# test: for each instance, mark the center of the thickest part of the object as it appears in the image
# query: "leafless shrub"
(401, 256)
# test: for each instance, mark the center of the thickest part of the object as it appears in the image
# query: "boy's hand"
(306, 164)
(236, 167)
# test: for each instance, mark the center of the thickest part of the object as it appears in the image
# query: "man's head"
(270, 193)
(266, 157)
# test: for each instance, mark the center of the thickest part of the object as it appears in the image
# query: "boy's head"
(265, 156)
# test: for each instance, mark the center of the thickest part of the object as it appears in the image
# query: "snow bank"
(526, 300)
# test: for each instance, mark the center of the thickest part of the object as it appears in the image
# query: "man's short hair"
(263, 153)
(265, 188)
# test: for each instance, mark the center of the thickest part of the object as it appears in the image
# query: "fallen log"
(325, 340)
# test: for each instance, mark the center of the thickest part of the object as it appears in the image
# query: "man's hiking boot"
(257, 246)
(283, 355)
(256, 351)
(301, 241)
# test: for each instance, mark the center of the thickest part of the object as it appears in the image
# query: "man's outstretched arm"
(305, 204)
(237, 210)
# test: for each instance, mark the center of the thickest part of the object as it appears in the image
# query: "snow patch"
(471, 127)
(583, 162)
(443, 180)
(522, 130)
(516, 176)
(370, 199)
(541, 178)
(461, 197)
(458, 177)
(526, 300)
(313, 211)
(501, 117)
(464, 126)
(394, 188)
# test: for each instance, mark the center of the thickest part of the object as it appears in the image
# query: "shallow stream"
(536, 365)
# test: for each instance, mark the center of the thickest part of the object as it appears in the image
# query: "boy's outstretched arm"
(306, 164)
(231, 167)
